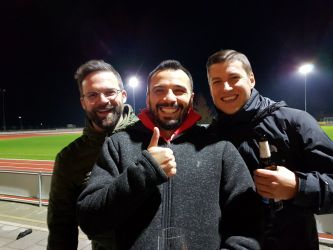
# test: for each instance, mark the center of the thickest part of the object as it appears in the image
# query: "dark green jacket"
(72, 166)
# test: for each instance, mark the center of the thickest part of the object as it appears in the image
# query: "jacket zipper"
(166, 215)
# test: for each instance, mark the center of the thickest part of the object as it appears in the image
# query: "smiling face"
(103, 112)
(230, 85)
(169, 99)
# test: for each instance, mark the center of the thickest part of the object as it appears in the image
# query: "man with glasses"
(102, 98)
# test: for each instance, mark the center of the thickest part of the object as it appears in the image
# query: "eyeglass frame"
(101, 93)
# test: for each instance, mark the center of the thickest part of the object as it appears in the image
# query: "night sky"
(43, 43)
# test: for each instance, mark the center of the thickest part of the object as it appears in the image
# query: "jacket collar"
(245, 115)
(128, 118)
(191, 119)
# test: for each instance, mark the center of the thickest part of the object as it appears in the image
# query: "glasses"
(110, 94)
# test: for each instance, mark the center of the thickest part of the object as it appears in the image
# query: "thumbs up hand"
(164, 156)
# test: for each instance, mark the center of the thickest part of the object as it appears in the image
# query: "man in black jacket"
(102, 98)
(303, 152)
(162, 173)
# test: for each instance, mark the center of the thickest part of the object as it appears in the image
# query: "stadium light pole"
(20, 120)
(3, 91)
(305, 69)
(133, 83)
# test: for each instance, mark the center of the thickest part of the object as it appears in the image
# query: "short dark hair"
(229, 55)
(169, 65)
(93, 66)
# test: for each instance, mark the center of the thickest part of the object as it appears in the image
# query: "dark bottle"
(267, 163)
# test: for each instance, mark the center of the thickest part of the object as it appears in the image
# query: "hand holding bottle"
(281, 184)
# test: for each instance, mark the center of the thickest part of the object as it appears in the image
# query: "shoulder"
(82, 147)
(129, 133)
(69, 155)
(290, 112)
(295, 117)
(72, 147)
(120, 135)
(198, 128)
(211, 138)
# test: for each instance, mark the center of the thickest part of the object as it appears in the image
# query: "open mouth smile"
(104, 111)
(168, 110)
(229, 98)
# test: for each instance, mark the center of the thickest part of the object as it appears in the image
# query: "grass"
(35, 148)
(46, 147)
(328, 130)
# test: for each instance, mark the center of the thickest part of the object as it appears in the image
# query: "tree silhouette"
(201, 106)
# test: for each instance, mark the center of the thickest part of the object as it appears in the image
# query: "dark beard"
(109, 122)
(172, 124)
(169, 125)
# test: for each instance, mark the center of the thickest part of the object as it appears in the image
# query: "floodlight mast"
(305, 69)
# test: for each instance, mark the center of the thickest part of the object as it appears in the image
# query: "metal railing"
(25, 186)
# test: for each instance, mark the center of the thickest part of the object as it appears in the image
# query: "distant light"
(305, 68)
(20, 117)
(133, 82)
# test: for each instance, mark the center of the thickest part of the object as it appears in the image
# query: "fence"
(327, 121)
(25, 186)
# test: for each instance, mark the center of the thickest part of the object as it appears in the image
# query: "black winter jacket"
(129, 199)
(303, 147)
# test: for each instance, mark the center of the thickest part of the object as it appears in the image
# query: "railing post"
(37, 197)
(40, 188)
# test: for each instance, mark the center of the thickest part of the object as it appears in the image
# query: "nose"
(170, 96)
(103, 98)
(227, 86)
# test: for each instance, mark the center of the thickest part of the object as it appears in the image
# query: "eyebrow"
(102, 89)
(216, 78)
(231, 72)
(173, 86)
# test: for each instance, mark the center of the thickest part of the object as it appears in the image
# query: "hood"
(191, 119)
(128, 118)
(255, 108)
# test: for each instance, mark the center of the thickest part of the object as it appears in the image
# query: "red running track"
(26, 165)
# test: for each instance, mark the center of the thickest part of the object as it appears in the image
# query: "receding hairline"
(169, 64)
(95, 66)
(189, 81)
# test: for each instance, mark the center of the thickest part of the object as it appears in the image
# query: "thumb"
(154, 138)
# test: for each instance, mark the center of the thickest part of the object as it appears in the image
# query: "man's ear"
(192, 100)
(147, 100)
(252, 80)
(124, 95)
(83, 105)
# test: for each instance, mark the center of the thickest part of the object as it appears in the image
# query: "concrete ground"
(18, 217)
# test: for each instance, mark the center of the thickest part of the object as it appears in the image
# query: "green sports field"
(328, 130)
(35, 148)
(46, 147)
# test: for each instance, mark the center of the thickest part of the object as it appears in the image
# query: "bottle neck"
(264, 151)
